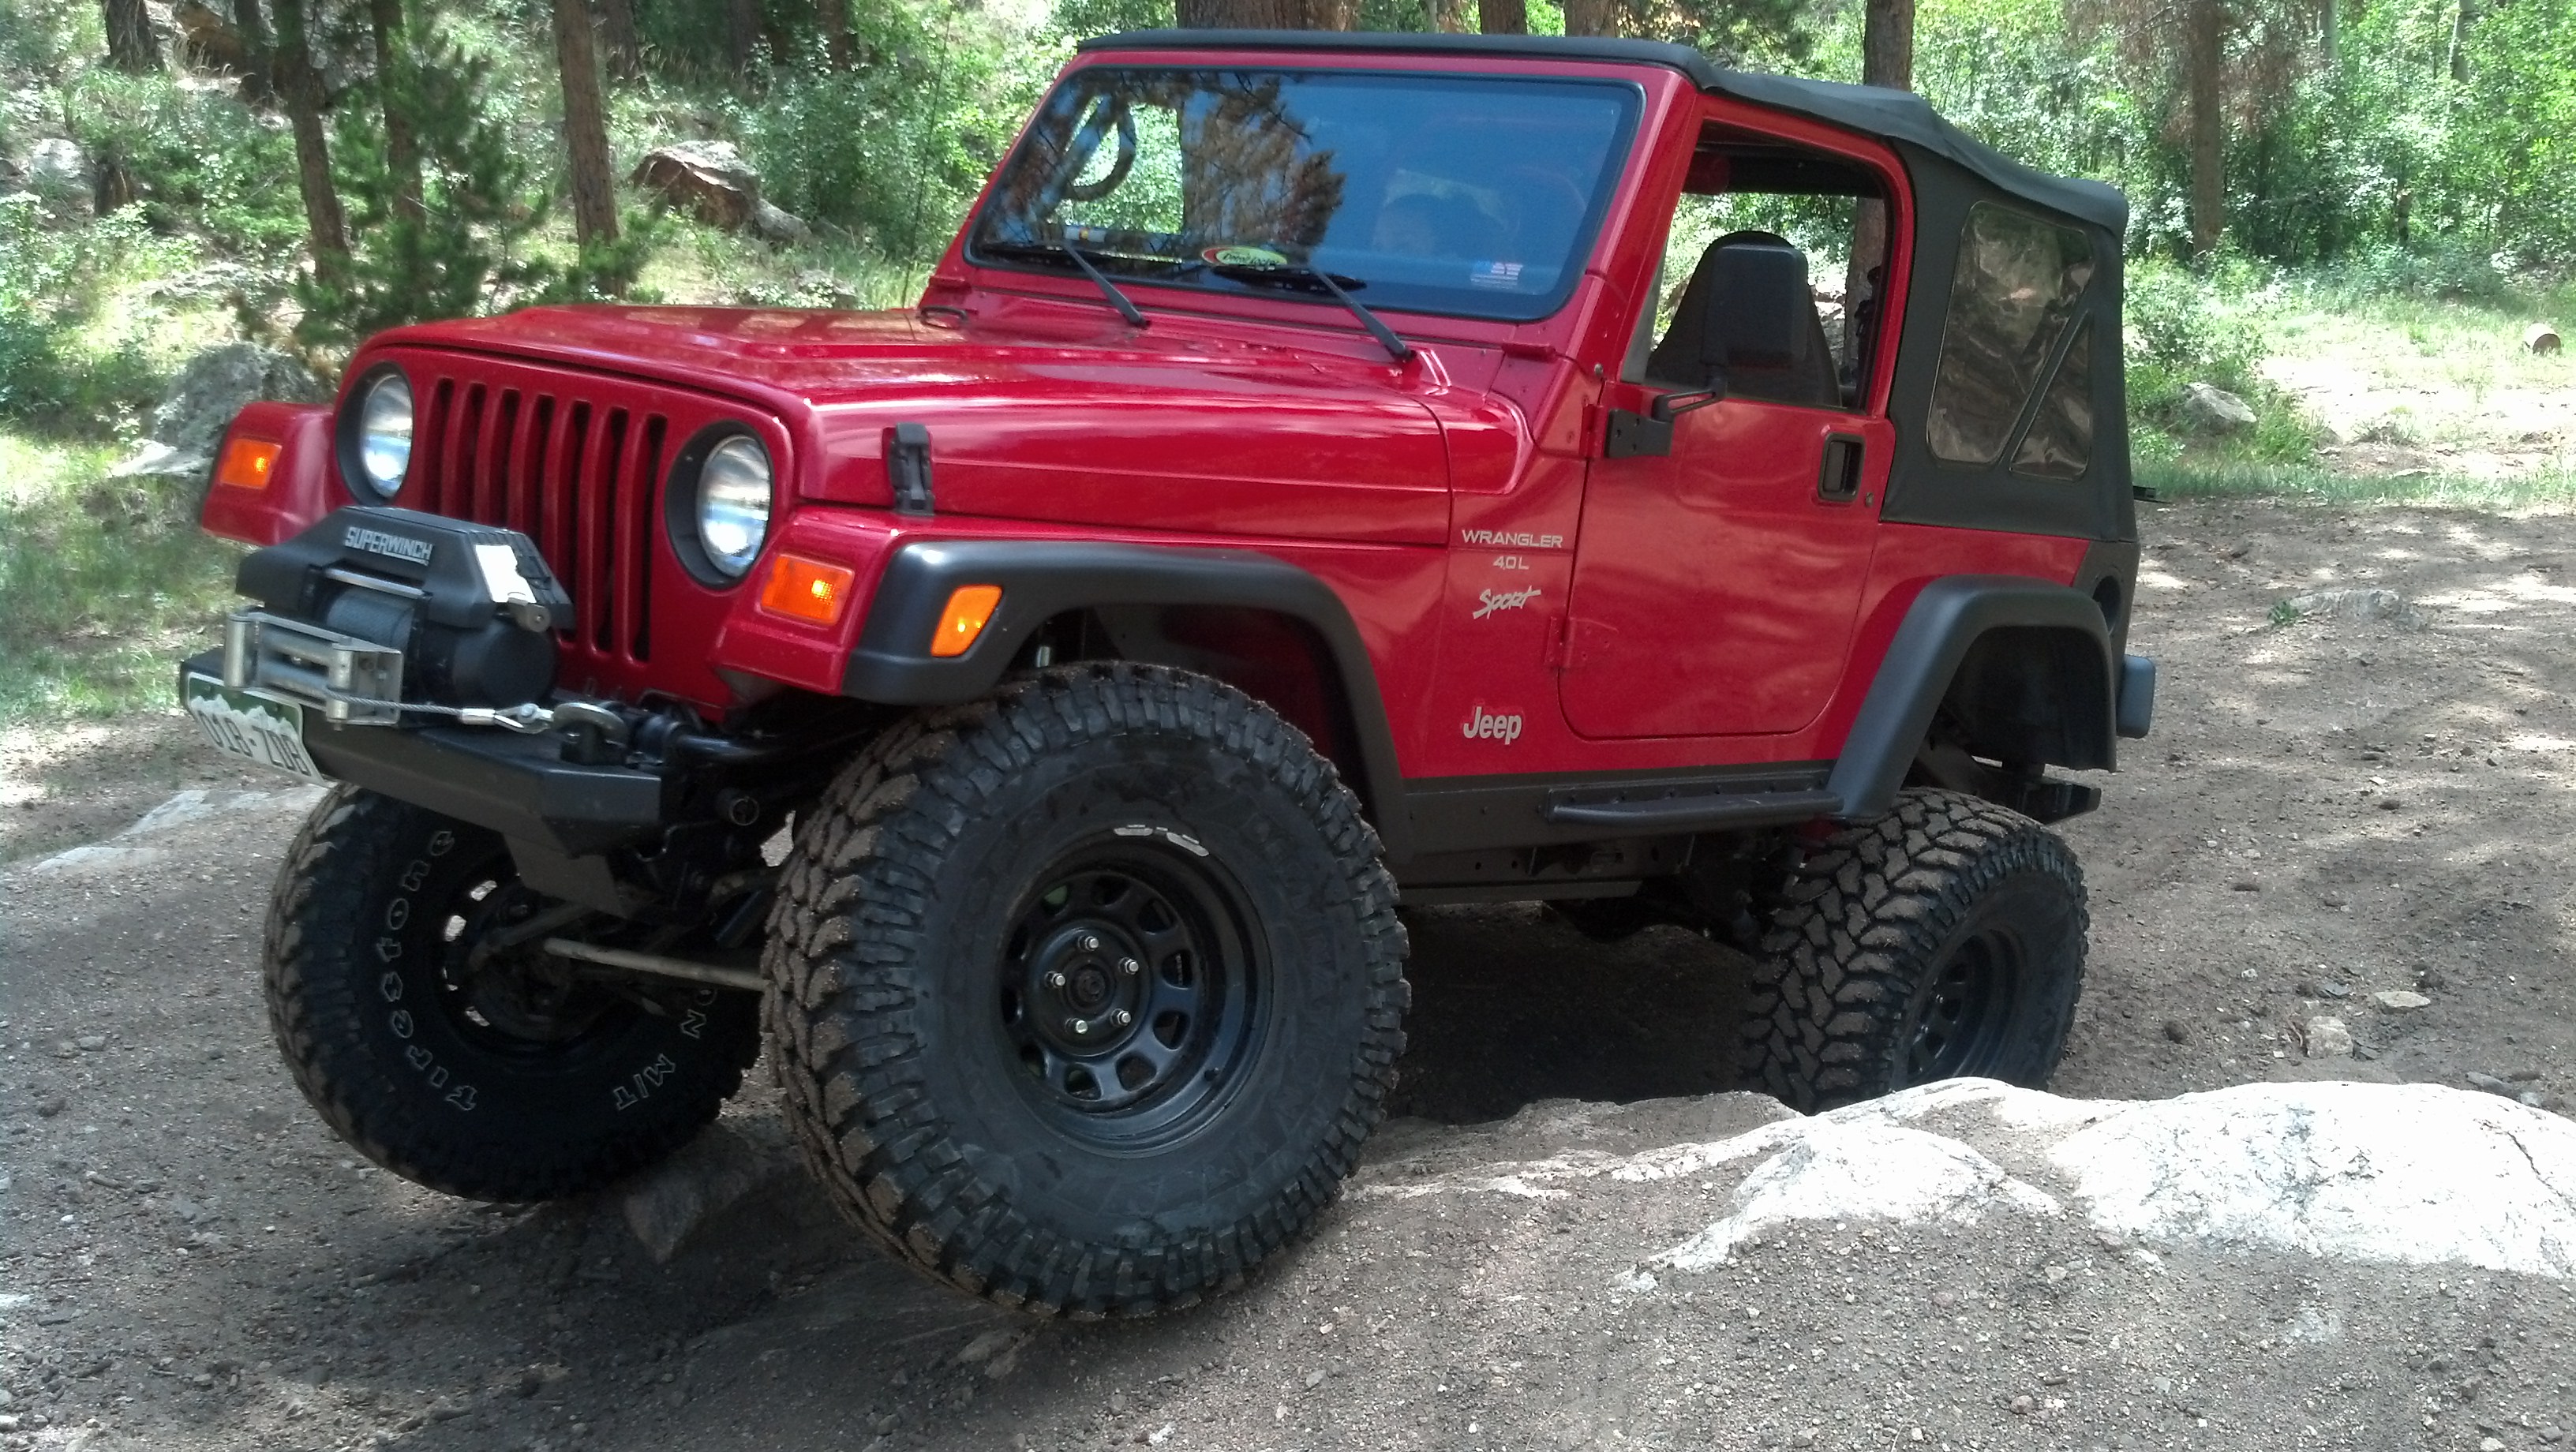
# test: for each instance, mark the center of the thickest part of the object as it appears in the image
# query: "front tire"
(495, 1077)
(1942, 940)
(1085, 996)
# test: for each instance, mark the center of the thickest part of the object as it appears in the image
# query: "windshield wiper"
(1126, 308)
(1291, 276)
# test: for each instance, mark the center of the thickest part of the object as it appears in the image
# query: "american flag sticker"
(1504, 275)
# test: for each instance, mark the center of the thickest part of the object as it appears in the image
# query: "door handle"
(1838, 481)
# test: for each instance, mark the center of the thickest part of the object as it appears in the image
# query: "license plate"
(254, 727)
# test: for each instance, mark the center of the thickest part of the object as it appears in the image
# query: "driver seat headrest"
(1757, 289)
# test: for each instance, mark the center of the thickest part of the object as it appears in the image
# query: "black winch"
(373, 614)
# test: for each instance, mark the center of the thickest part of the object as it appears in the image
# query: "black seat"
(1803, 376)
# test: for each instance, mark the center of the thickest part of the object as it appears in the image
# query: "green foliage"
(48, 37)
(2390, 142)
(103, 583)
(892, 151)
(2177, 334)
(51, 283)
(198, 158)
(444, 261)
(468, 247)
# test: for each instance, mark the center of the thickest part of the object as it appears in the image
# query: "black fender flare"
(1940, 628)
(1042, 579)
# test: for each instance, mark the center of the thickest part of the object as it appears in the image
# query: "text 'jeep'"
(1326, 474)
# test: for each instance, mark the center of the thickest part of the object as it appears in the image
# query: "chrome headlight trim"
(718, 506)
(382, 436)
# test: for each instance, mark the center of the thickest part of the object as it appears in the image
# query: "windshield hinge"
(907, 456)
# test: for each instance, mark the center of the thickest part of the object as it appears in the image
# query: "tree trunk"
(393, 82)
(1886, 59)
(834, 16)
(617, 32)
(1503, 17)
(1266, 14)
(256, 82)
(1449, 17)
(2463, 20)
(301, 85)
(2203, 55)
(742, 32)
(131, 45)
(1887, 44)
(1591, 17)
(594, 198)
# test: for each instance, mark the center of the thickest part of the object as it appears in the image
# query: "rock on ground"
(2212, 410)
(189, 425)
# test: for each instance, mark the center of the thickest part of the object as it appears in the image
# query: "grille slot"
(576, 476)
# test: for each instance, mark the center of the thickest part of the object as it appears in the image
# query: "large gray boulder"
(189, 425)
(710, 181)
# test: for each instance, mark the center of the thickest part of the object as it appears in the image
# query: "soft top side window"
(2012, 299)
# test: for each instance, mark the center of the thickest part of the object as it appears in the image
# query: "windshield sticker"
(1239, 255)
(1504, 275)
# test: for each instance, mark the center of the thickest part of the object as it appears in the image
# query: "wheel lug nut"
(1130, 967)
(1079, 1025)
(1090, 944)
(1055, 978)
(1125, 1018)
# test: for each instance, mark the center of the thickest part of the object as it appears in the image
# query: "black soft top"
(1869, 110)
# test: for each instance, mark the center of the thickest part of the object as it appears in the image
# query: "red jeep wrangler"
(1327, 474)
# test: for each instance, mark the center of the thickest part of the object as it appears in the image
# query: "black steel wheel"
(1943, 940)
(1131, 989)
(1966, 1006)
(1086, 995)
(454, 1057)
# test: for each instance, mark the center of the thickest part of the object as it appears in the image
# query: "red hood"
(1177, 427)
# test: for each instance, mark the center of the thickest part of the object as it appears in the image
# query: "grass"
(2547, 490)
(104, 585)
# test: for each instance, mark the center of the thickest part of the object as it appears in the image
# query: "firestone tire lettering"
(370, 1028)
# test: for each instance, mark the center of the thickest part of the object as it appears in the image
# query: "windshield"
(1465, 195)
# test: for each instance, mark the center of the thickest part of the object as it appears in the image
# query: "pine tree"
(444, 257)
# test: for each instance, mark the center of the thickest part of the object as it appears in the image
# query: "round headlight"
(733, 504)
(384, 434)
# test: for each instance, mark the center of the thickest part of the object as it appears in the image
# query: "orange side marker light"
(970, 609)
(807, 590)
(247, 463)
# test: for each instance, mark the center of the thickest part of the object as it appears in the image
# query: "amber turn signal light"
(970, 609)
(248, 463)
(808, 590)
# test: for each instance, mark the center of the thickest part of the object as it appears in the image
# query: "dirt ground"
(2370, 797)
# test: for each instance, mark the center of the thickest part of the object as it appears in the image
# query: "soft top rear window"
(1472, 196)
(2012, 301)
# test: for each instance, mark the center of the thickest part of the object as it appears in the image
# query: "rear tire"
(512, 1081)
(1084, 996)
(1943, 940)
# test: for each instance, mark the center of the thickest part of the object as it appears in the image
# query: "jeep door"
(1716, 583)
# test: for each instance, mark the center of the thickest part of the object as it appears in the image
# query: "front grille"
(576, 475)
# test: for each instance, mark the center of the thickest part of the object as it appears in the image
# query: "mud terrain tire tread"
(1860, 921)
(324, 1020)
(844, 959)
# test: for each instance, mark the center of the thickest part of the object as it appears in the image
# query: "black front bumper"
(519, 786)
